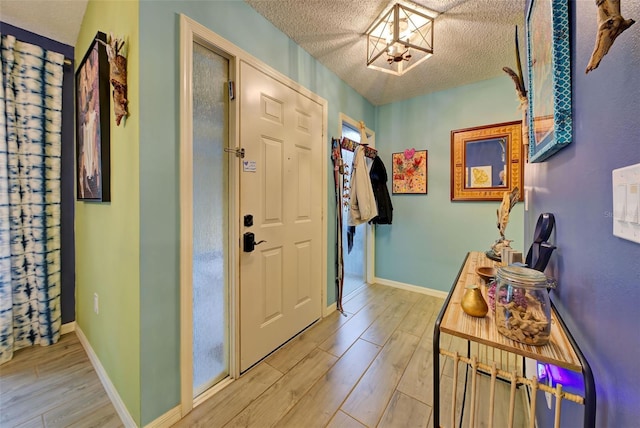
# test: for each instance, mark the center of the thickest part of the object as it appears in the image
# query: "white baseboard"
(166, 420)
(422, 290)
(67, 328)
(411, 287)
(124, 414)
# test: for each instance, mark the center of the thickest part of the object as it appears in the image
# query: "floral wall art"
(410, 171)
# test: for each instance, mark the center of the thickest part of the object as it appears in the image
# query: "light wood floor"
(54, 386)
(371, 368)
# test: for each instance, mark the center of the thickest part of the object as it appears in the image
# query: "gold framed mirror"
(486, 161)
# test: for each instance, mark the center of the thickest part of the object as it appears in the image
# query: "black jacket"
(378, 175)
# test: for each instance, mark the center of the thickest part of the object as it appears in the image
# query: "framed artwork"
(410, 172)
(549, 71)
(486, 161)
(92, 124)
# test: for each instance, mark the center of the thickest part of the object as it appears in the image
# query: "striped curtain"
(30, 144)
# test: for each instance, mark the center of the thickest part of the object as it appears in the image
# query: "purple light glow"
(571, 381)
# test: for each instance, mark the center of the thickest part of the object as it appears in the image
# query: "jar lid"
(523, 276)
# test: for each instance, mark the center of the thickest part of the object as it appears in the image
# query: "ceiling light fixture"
(399, 40)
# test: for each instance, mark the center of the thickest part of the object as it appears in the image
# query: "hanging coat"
(362, 206)
(378, 175)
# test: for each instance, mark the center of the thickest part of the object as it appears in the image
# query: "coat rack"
(350, 145)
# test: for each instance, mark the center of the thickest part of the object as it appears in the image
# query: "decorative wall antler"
(117, 76)
(610, 25)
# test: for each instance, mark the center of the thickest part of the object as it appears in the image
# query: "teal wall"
(159, 165)
(430, 235)
(422, 249)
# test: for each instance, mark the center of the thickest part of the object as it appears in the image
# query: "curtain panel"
(30, 148)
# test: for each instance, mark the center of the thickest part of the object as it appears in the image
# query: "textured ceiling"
(473, 40)
(59, 20)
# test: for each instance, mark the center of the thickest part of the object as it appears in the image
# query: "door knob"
(249, 239)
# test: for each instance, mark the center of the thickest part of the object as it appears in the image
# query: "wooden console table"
(560, 351)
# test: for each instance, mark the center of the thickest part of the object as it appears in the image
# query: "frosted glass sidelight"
(210, 219)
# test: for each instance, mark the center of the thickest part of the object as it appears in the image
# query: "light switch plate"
(626, 202)
(633, 202)
(619, 201)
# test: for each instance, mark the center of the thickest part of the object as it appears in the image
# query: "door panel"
(303, 193)
(272, 109)
(272, 285)
(303, 269)
(280, 281)
(272, 181)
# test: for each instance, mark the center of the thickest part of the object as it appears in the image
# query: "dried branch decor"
(610, 25)
(117, 76)
(518, 79)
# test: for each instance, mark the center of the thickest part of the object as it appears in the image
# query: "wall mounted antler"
(117, 76)
(610, 25)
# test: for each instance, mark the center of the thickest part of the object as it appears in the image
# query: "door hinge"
(238, 151)
(232, 90)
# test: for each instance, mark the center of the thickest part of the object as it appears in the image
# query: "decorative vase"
(473, 303)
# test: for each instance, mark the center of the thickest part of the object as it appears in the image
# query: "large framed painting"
(549, 70)
(92, 124)
(486, 162)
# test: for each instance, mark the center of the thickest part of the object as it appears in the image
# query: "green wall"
(107, 234)
(430, 235)
(159, 165)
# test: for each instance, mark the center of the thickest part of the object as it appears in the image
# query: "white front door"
(281, 188)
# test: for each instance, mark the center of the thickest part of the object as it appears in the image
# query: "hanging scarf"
(338, 169)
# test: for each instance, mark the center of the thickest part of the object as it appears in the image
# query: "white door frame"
(370, 229)
(191, 31)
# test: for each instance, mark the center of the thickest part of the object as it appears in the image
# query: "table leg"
(436, 375)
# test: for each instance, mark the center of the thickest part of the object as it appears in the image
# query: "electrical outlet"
(96, 306)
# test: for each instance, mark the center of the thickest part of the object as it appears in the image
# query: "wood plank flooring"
(54, 386)
(370, 368)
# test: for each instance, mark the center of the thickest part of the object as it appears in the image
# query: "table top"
(558, 351)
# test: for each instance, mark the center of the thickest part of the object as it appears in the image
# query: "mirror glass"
(486, 161)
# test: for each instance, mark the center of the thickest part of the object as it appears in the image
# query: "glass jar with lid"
(523, 308)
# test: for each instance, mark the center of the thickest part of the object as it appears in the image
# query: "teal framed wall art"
(549, 72)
